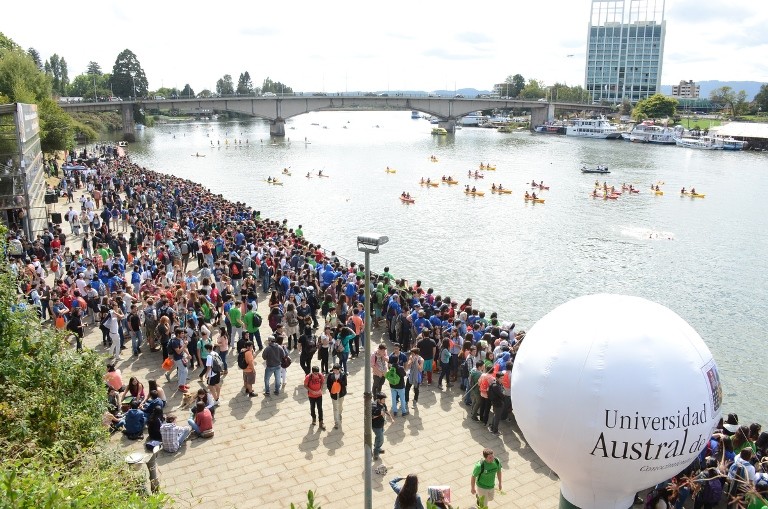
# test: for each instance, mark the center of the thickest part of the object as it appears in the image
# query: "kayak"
(475, 193)
(659, 193)
(390, 170)
(487, 167)
(429, 184)
(274, 182)
(407, 200)
(433, 159)
(477, 176)
(544, 188)
(197, 155)
(450, 182)
(501, 191)
(326, 176)
(534, 200)
(287, 173)
(693, 195)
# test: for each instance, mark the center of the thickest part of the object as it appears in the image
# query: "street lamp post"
(368, 243)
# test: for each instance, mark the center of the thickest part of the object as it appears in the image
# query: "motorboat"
(474, 119)
(415, 115)
(599, 169)
(593, 128)
(549, 129)
(703, 143)
(439, 131)
(647, 132)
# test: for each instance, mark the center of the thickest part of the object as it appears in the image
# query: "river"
(703, 258)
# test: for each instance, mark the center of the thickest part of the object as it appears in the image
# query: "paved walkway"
(266, 454)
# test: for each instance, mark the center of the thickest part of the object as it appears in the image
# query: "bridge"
(279, 108)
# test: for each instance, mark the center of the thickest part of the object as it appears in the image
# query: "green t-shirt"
(234, 316)
(485, 473)
(299, 232)
(250, 322)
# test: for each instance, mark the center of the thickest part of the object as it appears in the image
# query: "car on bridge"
(268, 94)
(459, 96)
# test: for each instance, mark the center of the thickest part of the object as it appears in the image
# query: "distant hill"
(750, 87)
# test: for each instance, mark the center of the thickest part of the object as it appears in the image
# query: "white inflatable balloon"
(615, 394)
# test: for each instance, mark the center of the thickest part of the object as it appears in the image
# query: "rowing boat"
(475, 193)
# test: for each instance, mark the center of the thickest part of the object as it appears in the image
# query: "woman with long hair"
(407, 496)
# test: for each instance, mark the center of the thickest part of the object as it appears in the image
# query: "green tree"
(534, 89)
(205, 93)
(35, 56)
(187, 91)
(275, 87)
(57, 129)
(625, 108)
(731, 101)
(225, 86)
(93, 69)
(20, 79)
(127, 73)
(563, 93)
(8, 44)
(89, 86)
(64, 70)
(244, 84)
(656, 106)
(761, 100)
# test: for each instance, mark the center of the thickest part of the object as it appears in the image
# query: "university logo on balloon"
(615, 394)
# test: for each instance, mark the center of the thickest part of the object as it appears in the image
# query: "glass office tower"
(625, 50)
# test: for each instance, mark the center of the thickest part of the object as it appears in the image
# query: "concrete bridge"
(279, 108)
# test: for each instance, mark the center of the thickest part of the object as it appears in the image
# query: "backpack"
(712, 491)
(311, 346)
(184, 248)
(235, 270)
(257, 320)
(241, 363)
(218, 364)
(286, 360)
(150, 320)
(484, 383)
(740, 482)
(392, 377)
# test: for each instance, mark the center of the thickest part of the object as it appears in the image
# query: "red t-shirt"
(204, 420)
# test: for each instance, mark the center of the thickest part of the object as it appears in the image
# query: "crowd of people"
(158, 260)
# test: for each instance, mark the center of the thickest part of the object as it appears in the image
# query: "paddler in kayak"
(474, 190)
(541, 185)
(493, 187)
(533, 195)
(443, 178)
(527, 195)
(682, 191)
(269, 179)
(466, 189)
(657, 188)
(594, 192)
(500, 187)
(693, 190)
(421, 181)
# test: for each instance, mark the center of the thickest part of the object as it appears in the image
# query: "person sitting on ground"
(153, 402)
(202, 421)
(156, 419)
(134, 421)
(173, 435)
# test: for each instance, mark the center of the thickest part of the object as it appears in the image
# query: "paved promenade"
(266, 454)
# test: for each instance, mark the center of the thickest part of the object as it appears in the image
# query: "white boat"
(703, 143)
(647, 132)
(731, 143)
(474, 119)
(415, 114)
(593, 128)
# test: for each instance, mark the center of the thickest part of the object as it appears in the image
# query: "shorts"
(427, 365)
(484, 492)
(249, 377)
(216, 379)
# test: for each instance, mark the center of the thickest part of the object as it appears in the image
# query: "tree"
(625, 108)
(534, 89)
(512, 86)
(205, 93)
(89, 87)
(187, 91)
(656, 106)
(224, 85)
(275, 87)
(94, 69)
(21, 80)
(563, 93)
(761, 100)
(127, 74)
(64, 76)
(35, 56)
(730, 100)
(244, 85)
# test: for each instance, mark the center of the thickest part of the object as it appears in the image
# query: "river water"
(703, 258)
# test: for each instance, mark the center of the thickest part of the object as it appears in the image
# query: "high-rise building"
(625, 49)
(687, 89)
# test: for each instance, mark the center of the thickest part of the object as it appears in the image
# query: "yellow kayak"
(535, 200)
(274, 182)
(390, 170)
(501, 191)
(429, 184)
(693, 195)
(659, 193)
(474, 193)
(434, 159)
(450, 182)
(487, 167)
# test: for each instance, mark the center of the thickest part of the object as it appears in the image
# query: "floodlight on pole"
(368, 243)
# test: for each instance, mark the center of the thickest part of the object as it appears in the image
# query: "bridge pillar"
(277, 127)
(539, 116)
(449, 125)
(129, 132)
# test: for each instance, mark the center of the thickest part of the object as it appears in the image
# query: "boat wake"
(646, 233)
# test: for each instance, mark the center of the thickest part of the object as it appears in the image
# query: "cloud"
(473, 38)
(265, 31)
(446, 54)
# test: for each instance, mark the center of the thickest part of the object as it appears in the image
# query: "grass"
(699, 123)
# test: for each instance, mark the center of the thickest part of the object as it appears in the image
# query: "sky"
(343, 45)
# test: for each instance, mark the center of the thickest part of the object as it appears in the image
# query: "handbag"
(167, 364)
(60, 322)
(335, 387)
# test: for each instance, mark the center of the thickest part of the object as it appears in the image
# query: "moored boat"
(647, 132)
(593, 128)
(550, 129)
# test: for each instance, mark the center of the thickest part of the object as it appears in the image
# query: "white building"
(687, 89)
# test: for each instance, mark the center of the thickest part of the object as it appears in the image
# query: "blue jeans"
(398, 394)
(378, 441)
(343, 357)
(182, 372)
(223, 356)
(193, 425)
(268, 372)
(136, 341)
